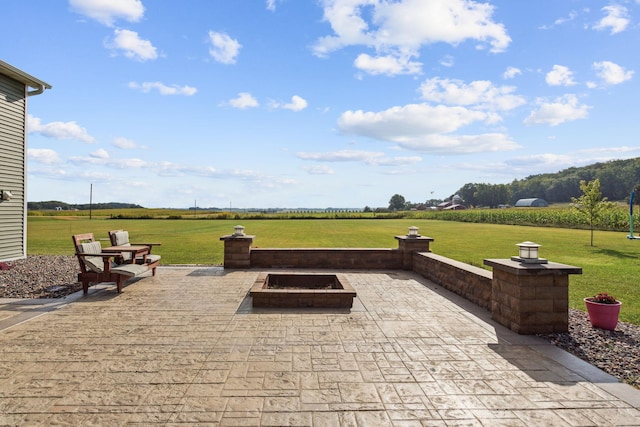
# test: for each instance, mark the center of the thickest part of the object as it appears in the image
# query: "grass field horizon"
(611, 265)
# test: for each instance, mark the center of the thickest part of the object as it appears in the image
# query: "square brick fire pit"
(298, 290)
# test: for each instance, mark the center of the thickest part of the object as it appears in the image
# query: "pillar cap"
(411, 239)
(521, 269)
(237, 237)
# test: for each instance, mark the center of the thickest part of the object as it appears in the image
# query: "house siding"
(13, 105)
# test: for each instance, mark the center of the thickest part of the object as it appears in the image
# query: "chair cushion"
(90, 248)
(151, 258)
(130, 269)
(93, 263)
(121, 238)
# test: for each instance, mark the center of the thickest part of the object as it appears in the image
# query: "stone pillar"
(407, 245)
(531, 298)
(237, 250)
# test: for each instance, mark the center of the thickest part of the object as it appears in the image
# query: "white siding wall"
(12, 168)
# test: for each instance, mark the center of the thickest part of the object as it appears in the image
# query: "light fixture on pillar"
(528, 253)
(238, 230)
(5, 195)
(413, 232)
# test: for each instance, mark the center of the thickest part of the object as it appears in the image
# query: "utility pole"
(90, 202)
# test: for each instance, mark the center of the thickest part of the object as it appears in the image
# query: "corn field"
(616, 219)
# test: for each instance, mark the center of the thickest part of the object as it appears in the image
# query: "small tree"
(397, 203)
(591, 205)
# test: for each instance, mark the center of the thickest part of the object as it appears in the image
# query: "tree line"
(617, 179)
(56, 205)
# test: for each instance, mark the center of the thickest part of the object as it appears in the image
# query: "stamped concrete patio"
(186, 347)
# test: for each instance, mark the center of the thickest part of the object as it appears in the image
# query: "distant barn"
(531, 203)
(455, 207)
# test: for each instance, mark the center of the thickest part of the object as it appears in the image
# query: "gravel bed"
(615, 352)
(40, 276)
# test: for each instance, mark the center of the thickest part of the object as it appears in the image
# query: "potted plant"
(603, 310)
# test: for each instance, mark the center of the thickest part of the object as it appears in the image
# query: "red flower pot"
(603, 316)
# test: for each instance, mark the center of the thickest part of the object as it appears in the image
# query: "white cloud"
(128, 163)
(447, 61)
(124, 143)
(86, 160)
(511, 72)
(297, 104)
(223, 48)
(84, 175)
(244, 100)
(271, 4)
(340, 156)
(173, 169)
(387, 64)
(43, 155)
(611, 151)
(101, 157)
(616, 19)
(412, 23)
(480, 94)
(132, 46)
(460, 144)
(564, 109)
(107, 11)
(319, 170)
(560, 76)
(548, 161)
(100, 153)
(421, 127)
(612, 73)
(345, 20)
(572, 15)
(163, 89)
(59, 130)
(554, 162)
(397, 161)
(399, 29)
(369, 157)
(398, 123)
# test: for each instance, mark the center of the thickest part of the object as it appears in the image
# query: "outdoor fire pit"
(297, 290)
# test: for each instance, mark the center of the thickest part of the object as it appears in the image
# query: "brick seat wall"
(473, 283)
(371, 259)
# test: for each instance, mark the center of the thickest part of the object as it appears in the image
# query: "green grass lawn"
(612, 265)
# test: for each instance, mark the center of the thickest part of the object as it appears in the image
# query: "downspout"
(38, 88)
(37, 91)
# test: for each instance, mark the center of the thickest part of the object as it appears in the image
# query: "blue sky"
(318, 103)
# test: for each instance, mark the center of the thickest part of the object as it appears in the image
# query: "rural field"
(611, 265)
